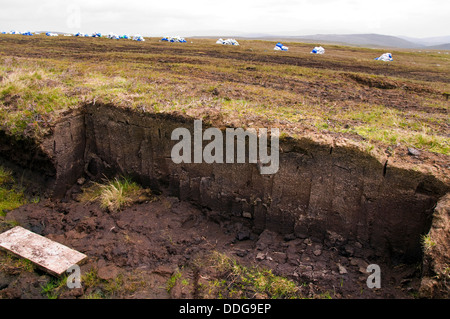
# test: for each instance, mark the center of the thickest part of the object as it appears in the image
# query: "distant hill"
(370, 40)
(363, 40)
(366, 40)
(445, 46)
(430, 41)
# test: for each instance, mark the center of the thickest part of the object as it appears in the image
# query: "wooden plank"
(47, 254)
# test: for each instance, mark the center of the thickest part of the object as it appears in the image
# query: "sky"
(411, 18)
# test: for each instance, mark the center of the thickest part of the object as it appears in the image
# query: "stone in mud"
(247, 215)
(360, 263)
(412, 151)
(260, 256)
(342, 269)
(317, 251)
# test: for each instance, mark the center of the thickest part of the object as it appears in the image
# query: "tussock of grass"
(116, 194)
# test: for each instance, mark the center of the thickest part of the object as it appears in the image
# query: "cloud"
(291, 17)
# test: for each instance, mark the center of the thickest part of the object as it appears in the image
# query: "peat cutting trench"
(328, 212)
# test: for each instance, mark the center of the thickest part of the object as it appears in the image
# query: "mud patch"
(373, 81)
(147, 243)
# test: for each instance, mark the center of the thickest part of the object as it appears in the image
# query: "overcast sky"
(229, 17)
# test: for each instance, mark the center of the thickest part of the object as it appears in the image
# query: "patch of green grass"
(94, 295)
(418, 140)
(115, 285)
(237, 281)
(427, 242)
(90, 279)
(49, 290)
(98, 288)
(173, 280)
(53, 288)
(10, 199)
(11, 195)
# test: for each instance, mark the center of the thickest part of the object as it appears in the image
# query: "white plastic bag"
(318, 50)
(280, 47)
(385, 57)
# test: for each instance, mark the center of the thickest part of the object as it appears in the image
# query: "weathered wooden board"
(47, 254)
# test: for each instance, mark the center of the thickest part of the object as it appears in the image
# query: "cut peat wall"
(318, 192)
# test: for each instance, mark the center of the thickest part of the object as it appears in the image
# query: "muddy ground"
(147, 243)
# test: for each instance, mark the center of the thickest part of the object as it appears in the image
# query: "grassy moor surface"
(344, 93)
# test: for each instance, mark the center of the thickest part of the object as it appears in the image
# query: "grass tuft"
(427, 242)
(116, 194)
